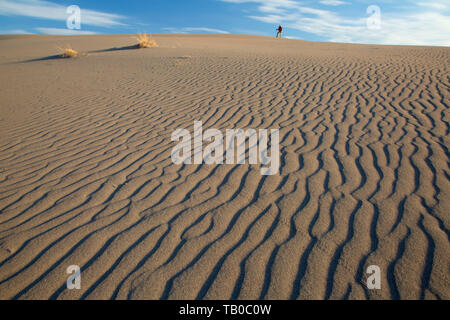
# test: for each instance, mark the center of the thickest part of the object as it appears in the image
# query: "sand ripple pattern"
(87, 178)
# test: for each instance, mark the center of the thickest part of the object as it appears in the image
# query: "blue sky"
(412, 22)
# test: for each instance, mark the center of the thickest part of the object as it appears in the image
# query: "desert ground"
(86, 176)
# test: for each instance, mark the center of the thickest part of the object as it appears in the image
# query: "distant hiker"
(280, 31)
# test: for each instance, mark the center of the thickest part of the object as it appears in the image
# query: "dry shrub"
(68, 52)
(144, 41)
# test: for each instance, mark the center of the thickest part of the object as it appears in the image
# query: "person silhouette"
(280, 31)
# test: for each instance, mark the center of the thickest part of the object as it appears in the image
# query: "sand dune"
(86, 176)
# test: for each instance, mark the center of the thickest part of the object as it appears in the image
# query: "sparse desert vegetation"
(68, 52)
(144, 41)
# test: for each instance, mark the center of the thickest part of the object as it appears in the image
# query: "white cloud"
(418, 26)
(434, 5)
(333, 2)
(292, 38)
(270, 6)
(52, 11)
(194, 30)
(16, 31)
(208, 30)
(63, 32)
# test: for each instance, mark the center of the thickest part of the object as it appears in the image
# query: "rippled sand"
(86, 176)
